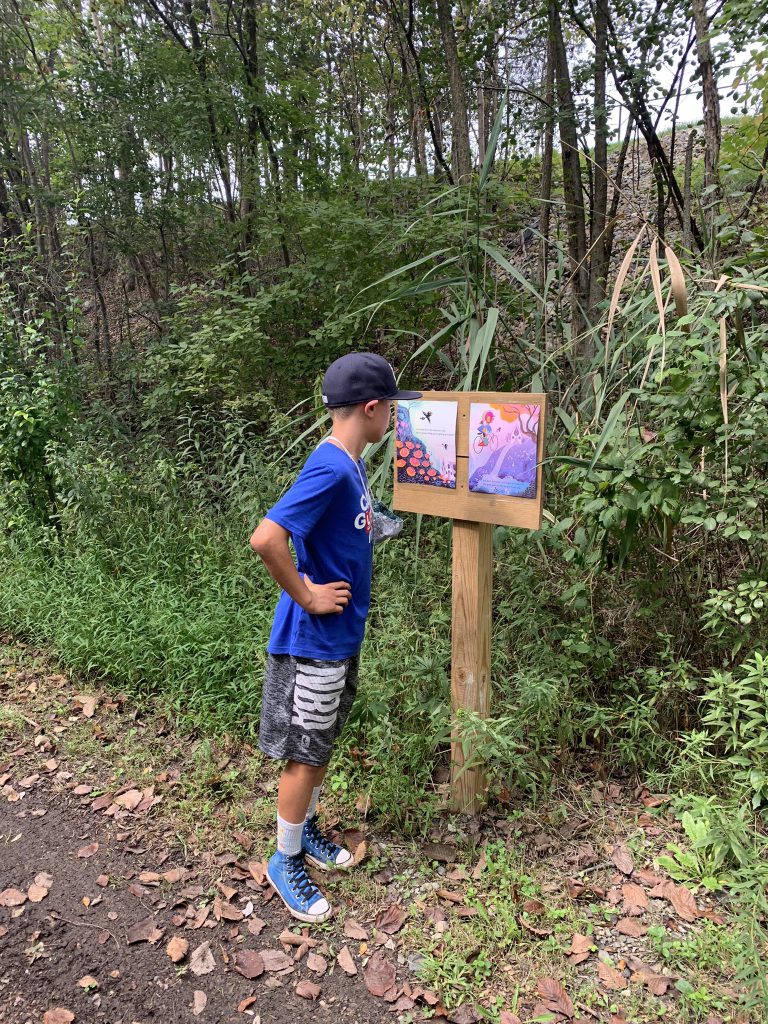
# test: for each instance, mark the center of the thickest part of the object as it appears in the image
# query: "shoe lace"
(299, 880)
(327, 847)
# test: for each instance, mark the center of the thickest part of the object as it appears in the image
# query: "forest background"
(203, 203)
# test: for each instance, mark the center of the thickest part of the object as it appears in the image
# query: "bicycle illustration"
(485, 437)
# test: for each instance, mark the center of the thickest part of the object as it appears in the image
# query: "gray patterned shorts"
(304, 705)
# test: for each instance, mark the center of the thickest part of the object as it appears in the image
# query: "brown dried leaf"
(683, 901)
(554, 996)
(353, 930)
(249, 963)
(201, 961)
(88, 851)
(58, 1016)
(130, 800)
(36, 893)
(581, 946)
(177, 948)
(199, 1002)
(466, 1014)
(275, 960)
(317, 964)
(258, 869)
(145, 931)
(345, 961)
(175, 875)
(610, 977)
(308, 990)
(12, 898)
(246, 1003)
(379, 974)
(505, 1017)
(88, 981)
(635, 899)
(622, 858)
(44, 880)
(439, 852)
(630, 926)
(391, 919)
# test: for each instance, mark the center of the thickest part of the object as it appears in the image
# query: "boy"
(312, 654)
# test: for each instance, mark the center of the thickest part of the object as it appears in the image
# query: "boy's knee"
(307, 771)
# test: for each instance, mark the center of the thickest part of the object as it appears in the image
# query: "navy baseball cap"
(360, 377)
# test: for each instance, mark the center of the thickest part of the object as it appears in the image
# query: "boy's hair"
(342, 412)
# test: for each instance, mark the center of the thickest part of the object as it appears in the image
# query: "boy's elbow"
(266, 538)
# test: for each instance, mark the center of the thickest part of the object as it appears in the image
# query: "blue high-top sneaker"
(321, 851)
(296, 889)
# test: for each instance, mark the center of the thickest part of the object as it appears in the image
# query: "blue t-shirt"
(327, 513)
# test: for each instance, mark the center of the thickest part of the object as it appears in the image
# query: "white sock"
(312, 809)
(289, 837)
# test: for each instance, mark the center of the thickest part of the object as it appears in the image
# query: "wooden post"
(470, 648)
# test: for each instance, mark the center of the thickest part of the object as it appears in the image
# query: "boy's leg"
(297, 790)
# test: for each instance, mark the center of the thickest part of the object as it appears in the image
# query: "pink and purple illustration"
(503, 446)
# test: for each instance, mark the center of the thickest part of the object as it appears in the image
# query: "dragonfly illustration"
(427, 415)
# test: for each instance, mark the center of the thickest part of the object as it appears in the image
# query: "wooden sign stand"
(473, 515)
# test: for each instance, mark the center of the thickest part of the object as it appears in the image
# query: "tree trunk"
(572, 184)
(711, 102)
(461, 160)
(545, 204)
(598, 266)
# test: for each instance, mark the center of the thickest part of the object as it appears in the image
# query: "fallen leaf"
(355, 931)
(363, 804)
(391, 919)
(505, 1017)
(36, 893)
(201, 961)
(145, 931)
(246, 1003)
(622, 858)
(465, 1014)
(199, 1002)
(249, 963)
(130, 800)
(44, 880)
(635, 899)
(682, 899)
(554, 996)
(379, 974)
(630, 926)
(345, 961)
(258, 869)
(648, 877)
(439, 852)
(177, 948)
(308, 990)
(403, 1004)
(88, 982)
(12, 898)
(256, 925)
(581, 946)
(275, 960)
(58, 1016)
(610, 977)
(317, 964)
(657, 984)
(88, 704)
(175, 875)
(88, 851)
(533, 907)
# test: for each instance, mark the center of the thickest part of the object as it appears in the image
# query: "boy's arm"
(270, 542)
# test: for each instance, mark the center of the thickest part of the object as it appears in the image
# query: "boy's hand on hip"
(327, 598)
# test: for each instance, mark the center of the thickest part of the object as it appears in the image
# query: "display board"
(471, 455)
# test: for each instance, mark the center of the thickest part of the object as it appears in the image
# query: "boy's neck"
(348, 432)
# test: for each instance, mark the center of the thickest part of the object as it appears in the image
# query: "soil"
(49, 946)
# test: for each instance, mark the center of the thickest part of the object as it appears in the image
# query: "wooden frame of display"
(474, 514)
(472, 506)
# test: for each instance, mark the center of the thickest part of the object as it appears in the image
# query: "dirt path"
(118, 836)
(103, 883)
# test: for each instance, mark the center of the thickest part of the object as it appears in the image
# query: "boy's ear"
(370, 407)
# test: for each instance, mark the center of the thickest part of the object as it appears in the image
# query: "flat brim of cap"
(404, 396)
